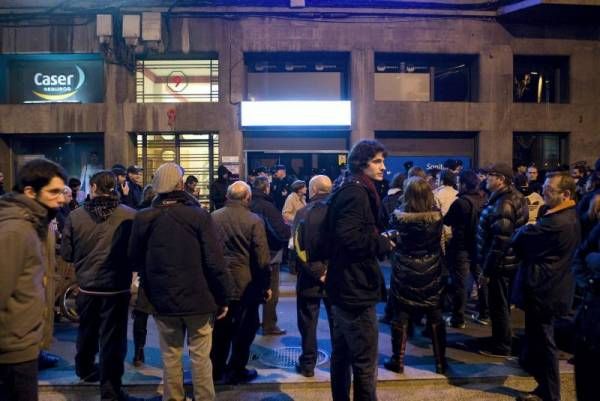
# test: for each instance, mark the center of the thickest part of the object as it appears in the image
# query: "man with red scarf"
(354, 281)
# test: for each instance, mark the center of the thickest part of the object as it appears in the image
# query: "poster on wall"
(56, 81)
(395, 164)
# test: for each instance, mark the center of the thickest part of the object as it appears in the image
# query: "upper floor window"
(541, 79)
(426, 77)
(177, 81)
(297, 76)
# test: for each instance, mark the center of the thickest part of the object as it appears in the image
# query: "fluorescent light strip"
(296, 113)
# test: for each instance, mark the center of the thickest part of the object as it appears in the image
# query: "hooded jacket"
(25, 257)
(416, 262)
(95, 240)
(175, 248)
(218, 189)
(505, 211)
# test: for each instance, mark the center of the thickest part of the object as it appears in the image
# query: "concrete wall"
(495, 116)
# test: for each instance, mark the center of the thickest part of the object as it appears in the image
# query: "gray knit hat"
(166, 178)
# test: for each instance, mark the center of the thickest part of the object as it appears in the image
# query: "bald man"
(310, 287)
(247, 256)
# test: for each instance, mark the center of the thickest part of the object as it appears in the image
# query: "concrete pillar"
(362, 87)
(231, 91)
(120, 88)
(495, 86)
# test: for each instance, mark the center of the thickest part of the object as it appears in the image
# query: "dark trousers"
(499, 300)
(434, 316)
(234, 333)
(354, 353)
(140, 328)
(269, 315)
(460, 269)
(542, 354)
(102, 327)
(19, 381)
(308, 317)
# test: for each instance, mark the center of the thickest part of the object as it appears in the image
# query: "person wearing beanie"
(218, 189)
(174, 247)
(132, 188)
(295, 201)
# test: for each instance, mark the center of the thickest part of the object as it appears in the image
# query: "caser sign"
(66, 79)
(58, 86)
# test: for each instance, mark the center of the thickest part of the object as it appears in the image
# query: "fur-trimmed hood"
(423, 217)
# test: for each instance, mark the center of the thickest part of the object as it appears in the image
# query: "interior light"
(296, 113)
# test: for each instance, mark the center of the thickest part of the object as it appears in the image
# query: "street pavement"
(471, 376)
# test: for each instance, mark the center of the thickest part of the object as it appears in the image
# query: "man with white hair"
(247, 259)
(310, 287)
(175, 248)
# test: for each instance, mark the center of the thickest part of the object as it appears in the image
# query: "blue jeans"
(354, 342)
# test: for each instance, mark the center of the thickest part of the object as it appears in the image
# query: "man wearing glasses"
(545, 282)
(504, 213)
(27, 249)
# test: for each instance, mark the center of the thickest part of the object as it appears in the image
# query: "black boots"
(138, 357)
(399, 337)
(438, 340)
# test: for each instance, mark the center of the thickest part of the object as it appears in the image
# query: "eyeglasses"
(55, 192)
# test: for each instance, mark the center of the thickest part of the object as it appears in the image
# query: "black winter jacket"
(388, 204)
(97, 246)
(354, 278)
(218, 193)
(583, 206)
(545, 282)
(175, 247)
(464, 221)
(309, 284)
(278, 233)
(586, 268)
(280, 189)
(505, 211)
(417, 260)
(246, 250)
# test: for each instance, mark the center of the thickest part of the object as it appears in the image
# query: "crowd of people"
(501, 236)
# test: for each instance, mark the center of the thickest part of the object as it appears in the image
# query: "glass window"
(197, 153)
(296, 76)
(426, 77)
(81, 155)
(177, 81)
(541, 79)
(545, 150)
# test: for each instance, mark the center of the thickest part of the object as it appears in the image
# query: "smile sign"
(57, 87)
(64, 79)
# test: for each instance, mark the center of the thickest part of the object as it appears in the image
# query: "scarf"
(370, 185)
(101, 207)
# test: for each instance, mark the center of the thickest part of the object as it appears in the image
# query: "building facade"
(480, 81)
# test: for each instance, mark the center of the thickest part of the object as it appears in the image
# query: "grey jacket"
(246, 249)
(23, 233)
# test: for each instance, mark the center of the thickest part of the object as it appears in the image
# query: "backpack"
(311, 234)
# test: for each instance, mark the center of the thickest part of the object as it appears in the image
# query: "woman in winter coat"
(416, 285)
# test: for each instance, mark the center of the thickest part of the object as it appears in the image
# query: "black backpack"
(311, 234)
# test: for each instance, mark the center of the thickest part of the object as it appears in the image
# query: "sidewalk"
(466, 366)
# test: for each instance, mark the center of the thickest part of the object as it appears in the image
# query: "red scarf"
(373, 194)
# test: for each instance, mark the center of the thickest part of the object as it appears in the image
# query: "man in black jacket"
(131, 190)
(505, 211)
(175, 247)
(95, 240)
(354, 281)
(247, 257)
(310, 286)
(545, 282)
(278, 234)
(463, 217)
(218, 189)
(280, 186)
